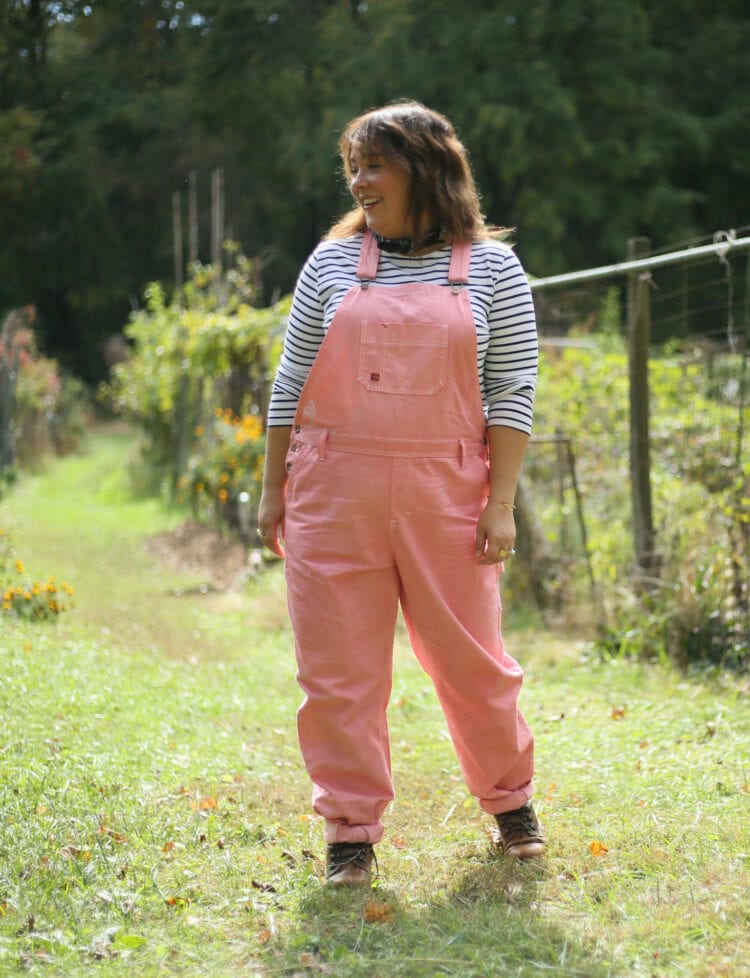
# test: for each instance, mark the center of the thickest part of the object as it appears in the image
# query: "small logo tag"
(309, 410)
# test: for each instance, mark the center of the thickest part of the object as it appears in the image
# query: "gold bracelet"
(502, 502)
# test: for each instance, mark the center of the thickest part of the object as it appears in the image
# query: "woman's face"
(383, 191)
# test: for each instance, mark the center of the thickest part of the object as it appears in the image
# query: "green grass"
(155, 813)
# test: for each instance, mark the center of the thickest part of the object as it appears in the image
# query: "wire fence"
(687, 306)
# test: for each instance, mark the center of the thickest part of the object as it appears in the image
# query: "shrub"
(698, 608)
(41, 410)
(227, 463)
(207, 348)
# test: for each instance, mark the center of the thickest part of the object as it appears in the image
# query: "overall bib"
(387, 477)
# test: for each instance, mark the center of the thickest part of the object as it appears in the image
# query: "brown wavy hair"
(425, 144)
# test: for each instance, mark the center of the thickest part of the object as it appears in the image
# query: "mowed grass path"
(155, 814)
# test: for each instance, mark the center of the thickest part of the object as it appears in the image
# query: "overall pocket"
(403, 358)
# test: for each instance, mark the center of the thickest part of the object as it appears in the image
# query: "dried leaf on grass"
(376, 912)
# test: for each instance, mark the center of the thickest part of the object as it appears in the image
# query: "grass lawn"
(155, 813)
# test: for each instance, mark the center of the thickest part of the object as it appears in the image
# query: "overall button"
(288, 466)
(294, 447)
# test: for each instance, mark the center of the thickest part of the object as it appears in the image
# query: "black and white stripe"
(500, 297)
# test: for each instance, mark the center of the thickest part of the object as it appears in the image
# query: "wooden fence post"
(217, 217)
(193, 216)
(639, 330)
(8, 378)
(177, 240)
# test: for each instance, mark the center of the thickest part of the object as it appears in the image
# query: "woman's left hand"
(496, 533)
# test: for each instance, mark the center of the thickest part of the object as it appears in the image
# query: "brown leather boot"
(349, 863)
(520, 833)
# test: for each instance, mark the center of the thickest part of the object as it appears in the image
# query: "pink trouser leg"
(452, 610)
(342, 592)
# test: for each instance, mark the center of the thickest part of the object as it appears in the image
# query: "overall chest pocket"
(403, 358)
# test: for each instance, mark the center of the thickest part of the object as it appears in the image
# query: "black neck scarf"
(406, 246)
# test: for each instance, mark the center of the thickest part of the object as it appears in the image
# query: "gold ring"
(502, 554)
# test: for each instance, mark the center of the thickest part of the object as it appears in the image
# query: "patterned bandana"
(405, 246)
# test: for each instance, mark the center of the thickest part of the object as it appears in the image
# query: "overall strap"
(460, 258)
(369, 256)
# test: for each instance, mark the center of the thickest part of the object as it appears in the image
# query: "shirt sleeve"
(302, 342)
(511, 364)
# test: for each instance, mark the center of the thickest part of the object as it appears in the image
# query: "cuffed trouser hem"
(341, 832)
(510, 802)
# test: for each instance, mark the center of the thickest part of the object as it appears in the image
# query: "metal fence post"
(639, 331)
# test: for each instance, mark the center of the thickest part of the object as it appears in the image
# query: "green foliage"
(698, 610)
(21, 598)
(43, 409)
(584, 122)
(225, 472)
(205, 351)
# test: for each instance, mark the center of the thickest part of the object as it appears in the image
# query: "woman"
(390, 483)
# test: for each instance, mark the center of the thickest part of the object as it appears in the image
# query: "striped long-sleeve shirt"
(501, 301)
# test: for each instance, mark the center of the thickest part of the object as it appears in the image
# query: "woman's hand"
(273, 499)
(496, 533)
(271, 520)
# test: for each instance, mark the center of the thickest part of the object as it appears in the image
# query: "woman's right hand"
(271, 520)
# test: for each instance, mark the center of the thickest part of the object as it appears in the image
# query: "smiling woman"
(398, 424)
(383, 190)
(423, 145)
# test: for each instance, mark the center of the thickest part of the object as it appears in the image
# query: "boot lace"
(359, 854)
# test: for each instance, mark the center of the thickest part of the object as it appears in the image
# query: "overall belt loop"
(323, 446)
(462, 453)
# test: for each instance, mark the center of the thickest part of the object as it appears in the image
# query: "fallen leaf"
(206, 804)
(400, 842)
(263, 887)
(73, 852)
(598, 848)
(618, 713)
(178, 902)
(263, 936)
(111, 834)
(378, 913)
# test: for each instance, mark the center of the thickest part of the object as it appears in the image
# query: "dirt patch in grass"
(222, 562)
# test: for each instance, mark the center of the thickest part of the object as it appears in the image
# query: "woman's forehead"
(362, 148)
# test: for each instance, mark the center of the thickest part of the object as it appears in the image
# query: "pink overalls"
(387, 477)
